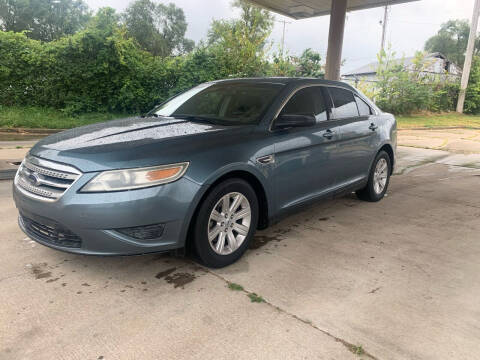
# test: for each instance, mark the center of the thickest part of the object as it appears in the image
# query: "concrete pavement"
(398, 278)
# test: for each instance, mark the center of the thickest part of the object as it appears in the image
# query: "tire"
(371, 192)
(209, 221)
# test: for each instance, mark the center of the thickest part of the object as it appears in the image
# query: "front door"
(305, 163)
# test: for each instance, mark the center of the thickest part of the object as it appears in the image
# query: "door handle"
(373, 127)
(328, 134)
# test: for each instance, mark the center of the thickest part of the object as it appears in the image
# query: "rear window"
(363, 107)
(344, 104)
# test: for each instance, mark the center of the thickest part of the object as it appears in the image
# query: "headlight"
(128, 179)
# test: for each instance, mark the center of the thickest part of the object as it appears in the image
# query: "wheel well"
(389, 150)
(254, 183)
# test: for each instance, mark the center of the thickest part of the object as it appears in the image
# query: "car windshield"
(229, 103)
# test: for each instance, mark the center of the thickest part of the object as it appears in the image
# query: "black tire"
(202, 246)
(368, 193)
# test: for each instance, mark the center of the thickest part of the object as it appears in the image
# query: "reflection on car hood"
(124, 131)
(134, 142)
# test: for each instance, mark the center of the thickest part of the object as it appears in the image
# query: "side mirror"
(287, 121)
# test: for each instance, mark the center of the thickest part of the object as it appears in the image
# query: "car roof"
(288, 81)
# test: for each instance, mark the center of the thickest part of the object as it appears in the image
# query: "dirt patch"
(180, 279)
(39, 271)
(165, 273)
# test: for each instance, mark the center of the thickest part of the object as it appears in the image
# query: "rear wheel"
(378, 179)
(226, 222)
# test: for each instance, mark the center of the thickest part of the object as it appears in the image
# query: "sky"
(410, 25)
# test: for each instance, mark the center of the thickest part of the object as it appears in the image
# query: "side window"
(307, 101)
(363, 107)
(343, 102)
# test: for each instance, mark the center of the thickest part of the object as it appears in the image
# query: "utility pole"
(468, 57)
(284, 22)
(384, 25)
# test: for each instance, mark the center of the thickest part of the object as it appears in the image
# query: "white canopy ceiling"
(301, 9)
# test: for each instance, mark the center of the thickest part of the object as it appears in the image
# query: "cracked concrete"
(398, 278)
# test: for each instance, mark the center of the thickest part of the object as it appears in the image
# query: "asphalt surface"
(398, 278)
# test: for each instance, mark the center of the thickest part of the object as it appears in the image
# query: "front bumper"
(94, 217)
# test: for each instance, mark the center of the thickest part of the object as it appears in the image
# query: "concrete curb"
(30, 131)
(440, 128)
(8, 169)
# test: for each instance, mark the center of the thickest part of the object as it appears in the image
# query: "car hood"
(131, 142)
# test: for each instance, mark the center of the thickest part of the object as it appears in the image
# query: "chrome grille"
(44, 180)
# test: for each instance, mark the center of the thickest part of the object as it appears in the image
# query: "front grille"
(44, 180)
(53, 234)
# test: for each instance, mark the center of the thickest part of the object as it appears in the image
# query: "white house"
(434, 64)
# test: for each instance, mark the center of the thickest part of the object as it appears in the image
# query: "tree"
(309, 64)
(472, 98)
(451, 40)
(159, 29)
(240, 44)
(45, 20)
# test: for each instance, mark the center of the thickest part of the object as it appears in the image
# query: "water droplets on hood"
(127, 130)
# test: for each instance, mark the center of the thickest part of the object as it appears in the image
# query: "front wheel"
(226, 222)
(378, 179)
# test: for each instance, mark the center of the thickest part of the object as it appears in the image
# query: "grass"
(235, 287)
(256, 298)
(36, 117)
(438, 120)
(357, 350)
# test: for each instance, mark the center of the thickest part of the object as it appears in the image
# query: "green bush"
(101, 69)
(401, 91)
(472, 98)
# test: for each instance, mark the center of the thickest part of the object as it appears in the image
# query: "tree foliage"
(45, 20)
(472, 97)
(405, 91)
(240, 44)
(158, 28)
(451, 40)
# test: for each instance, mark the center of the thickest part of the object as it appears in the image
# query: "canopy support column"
(335, 39)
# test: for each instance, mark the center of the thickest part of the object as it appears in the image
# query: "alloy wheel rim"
(380, 176)
(229, 223)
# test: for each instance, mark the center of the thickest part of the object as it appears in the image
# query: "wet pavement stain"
(39, 271)
(259, 241)
(180, 279)
(164, 273)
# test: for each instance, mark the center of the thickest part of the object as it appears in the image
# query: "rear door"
(304, 157)
(355, 143)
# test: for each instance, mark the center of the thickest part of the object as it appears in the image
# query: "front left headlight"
(129, 179)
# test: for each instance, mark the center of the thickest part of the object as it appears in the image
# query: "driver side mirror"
(292, 120)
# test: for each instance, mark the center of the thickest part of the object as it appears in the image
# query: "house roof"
(372, 67)
(301, 9)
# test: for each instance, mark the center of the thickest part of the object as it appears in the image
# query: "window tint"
(363, 107)
(307, 101)
(343, 102)
(226, 103)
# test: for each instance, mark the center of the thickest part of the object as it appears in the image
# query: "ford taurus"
(206, 168)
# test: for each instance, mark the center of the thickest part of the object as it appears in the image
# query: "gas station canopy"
(301, 9)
